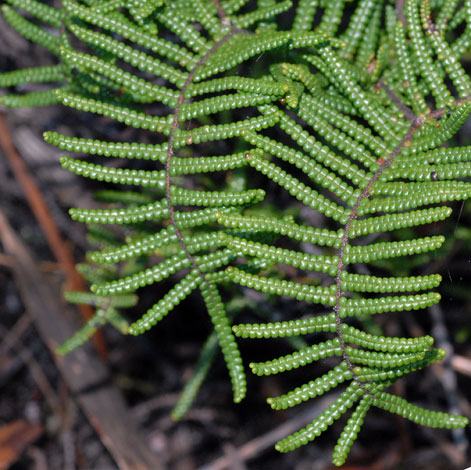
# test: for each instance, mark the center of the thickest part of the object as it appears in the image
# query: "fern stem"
(415, 125)
(171, 139)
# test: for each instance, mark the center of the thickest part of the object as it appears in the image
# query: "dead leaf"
(14, 438)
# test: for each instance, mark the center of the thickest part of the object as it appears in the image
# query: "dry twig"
(43, 216)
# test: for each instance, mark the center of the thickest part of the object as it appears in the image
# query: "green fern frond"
(344, 114)
(31, 31)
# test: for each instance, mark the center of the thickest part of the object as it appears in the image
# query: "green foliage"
(345, 115)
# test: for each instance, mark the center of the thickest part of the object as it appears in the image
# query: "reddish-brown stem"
(175, 124)
(43, 216)
(170, 151)
(416, 123)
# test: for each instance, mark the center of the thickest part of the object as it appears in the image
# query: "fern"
(349, 123)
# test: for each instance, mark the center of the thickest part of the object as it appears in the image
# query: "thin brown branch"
(221, 12)
(400, 4)
(14, 333)
(418, 121)
(6, 260)
(43, 216)
(447, 374)
(35, 369)
(438, 113)
(461, 364)
(171, 151)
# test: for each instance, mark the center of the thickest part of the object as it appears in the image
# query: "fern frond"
(163, 270)
(350, 431)
(41, 11)
(419, 415)
(423, 58)
(33, 99)
(31, 31)
(312, 389)
(50, 73)
(229, 348)
(301, 326)
(345, 115)
(338, 408)
(167, 303)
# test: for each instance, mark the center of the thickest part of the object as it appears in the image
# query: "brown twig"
(236, 462)
(461, 364)
(400, 4)
(145, 408)
(46, 221)
(448, 378)
(6, 260)
(14, 334)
